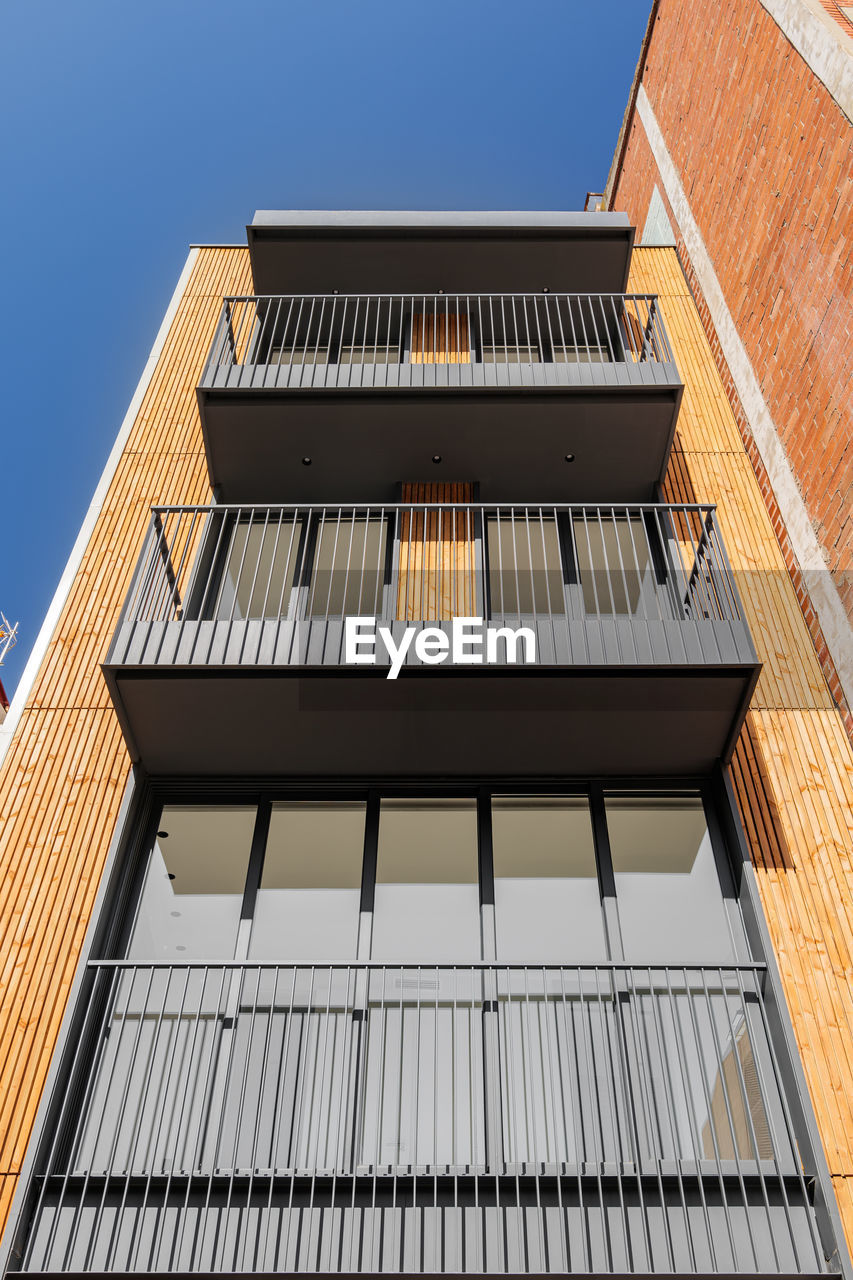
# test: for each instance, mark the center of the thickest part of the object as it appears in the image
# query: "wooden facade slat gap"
(71, 814)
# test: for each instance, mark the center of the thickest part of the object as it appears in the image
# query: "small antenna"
(8, 636)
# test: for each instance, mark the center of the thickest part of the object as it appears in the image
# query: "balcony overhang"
(331, 723)
(432, 639)
(313, 251)
(363, 443)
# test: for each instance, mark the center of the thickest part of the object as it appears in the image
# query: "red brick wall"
(766, 160)
(835, 11)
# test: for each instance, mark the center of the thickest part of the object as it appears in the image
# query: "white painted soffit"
(821, 42)
(818, 580)
(57, 604)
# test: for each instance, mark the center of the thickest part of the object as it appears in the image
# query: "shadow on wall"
(758, 809)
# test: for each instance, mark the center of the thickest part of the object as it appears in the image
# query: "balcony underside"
(363, 443)
(305, 722)
(427, 251)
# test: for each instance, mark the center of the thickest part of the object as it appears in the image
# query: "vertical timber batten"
(63, 777)
(437, 556)
(793, 768)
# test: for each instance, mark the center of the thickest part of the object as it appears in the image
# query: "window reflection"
(427, 898)
(615, 565)
(547, 902)
(307, 904)
(525, 565)
(261, 565)
(193, 891)
(667, 888)
(348, 567)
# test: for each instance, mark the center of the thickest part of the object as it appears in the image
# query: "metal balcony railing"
(395, 340)
(638, 584)
(364, 1118)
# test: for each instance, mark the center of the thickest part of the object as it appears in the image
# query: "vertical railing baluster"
(672, 1119)
(699, 1057)
(118, 1123)
(149, 1160)
(279, 1112)
(77, 1136)
(779, 1094)
(756, 1155)
(645, 1073)
(182, 1138)
(621, 1156)
(724, 1090)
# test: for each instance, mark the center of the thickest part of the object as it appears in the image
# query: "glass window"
(580, 355)
(427, 903)
(547, 901)
(615, 565)
(517, 353)
(349, 567)
(260, 568)
(310, 354)
(384, 354)
(668, 893)
(308, 901)
(525, 565)
(193, 891)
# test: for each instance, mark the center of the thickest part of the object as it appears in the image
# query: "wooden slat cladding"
(440, 339)
(793, 768)
(7, 1190)
(64, 775)
(436, 566)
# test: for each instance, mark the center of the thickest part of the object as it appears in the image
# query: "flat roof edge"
(433, 220)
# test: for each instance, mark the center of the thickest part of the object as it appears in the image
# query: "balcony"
(519, 639)
(371, 389)
(222, 1118)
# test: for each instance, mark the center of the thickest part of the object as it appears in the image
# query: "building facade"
(414, 805)
(737, 150)
(737, 147)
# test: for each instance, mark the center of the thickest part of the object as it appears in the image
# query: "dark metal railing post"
(546, 567)
(308, 347)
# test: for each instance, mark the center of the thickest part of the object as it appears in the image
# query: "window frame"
(372, 793)
(489, 1016)
(210, 568)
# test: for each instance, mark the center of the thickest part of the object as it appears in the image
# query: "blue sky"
(131, 131)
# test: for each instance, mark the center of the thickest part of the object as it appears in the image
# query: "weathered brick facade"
(765, 158)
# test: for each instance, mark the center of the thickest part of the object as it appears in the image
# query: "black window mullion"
(127, 907)
(728, 888)
(371, 847)
(391, 567)
(484, 847)
(253, 875)
(606, 877)
(486, 876)
(490, 1027)
(309, 541)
